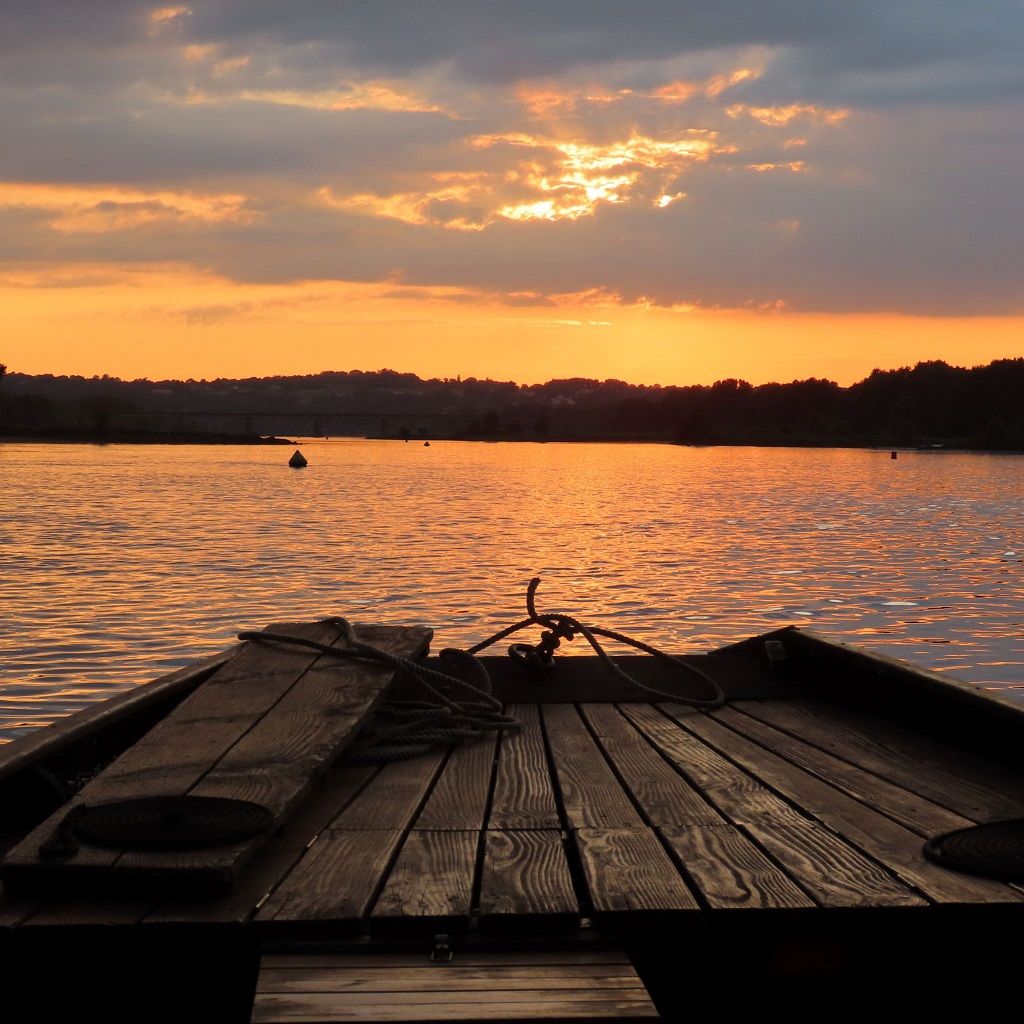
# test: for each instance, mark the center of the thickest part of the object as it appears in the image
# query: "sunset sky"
(668, 192)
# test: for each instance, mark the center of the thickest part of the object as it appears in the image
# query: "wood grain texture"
(540, 986)
(574, 956)
(432, 881)
(666, 797)
(526, 876)
(892, 845)
(730, 872)
(964, 782)
(275, 860)
(263, 728)
(394, 796)
(835, 873)
(628, 870)
(523, 796)
(591, 794)
(434, 979)
(320, 1008)
(336, 879)
(199, 732)
(459, 797)
(915, 812)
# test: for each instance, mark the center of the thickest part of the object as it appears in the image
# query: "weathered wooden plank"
(612, 958)
(966, 783)
(277, 858)
(459, 797)
(591, 794)
(523, 795)
(828, 868)
(525, 879)
(277, 753)
(665, 796)
(434, 979)
(394, 796)
(326, 1008)
(881, 838)
(584, 677)
(451, 996)
(628, 870)
(715, 854)
(200, 731)
(729, 871)
(915, 812)
(432, 881)
(336, 879)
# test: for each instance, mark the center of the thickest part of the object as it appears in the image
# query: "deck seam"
(828, 781)
(726, 817)
(481, 841)
(378, 888)
(687, 878)
(804, 812)
(302, 853)
(572, 855)
(846, 761)
(916, 830)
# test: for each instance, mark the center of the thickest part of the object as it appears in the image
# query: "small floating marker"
(298, 460)
(426, 444)
(892, 455)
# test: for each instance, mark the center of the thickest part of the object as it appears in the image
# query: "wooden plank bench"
(263, 728)
(576, 985)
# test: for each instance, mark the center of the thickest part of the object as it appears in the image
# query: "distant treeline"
(931, 403)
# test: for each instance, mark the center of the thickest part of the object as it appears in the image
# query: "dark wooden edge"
(42, 743)
(889, 687)
(584, 677)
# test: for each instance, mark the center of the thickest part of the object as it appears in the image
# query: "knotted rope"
(560, 627)
(403, 729)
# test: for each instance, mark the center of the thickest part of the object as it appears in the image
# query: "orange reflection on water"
(124, 562)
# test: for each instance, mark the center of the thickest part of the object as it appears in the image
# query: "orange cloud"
(682, 91)
(548, 100)
(776, 117)
(557, 180)
(796, 166)
(545, 101)
(102, 208)
(371, 95)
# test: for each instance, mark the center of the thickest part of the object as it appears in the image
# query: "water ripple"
(118, 563)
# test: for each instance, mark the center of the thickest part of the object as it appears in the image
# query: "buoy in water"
(426, 444)
(892, 455)
(298, 460)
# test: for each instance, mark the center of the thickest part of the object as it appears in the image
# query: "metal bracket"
(442, 951)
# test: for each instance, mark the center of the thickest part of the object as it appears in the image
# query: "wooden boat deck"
(795, 810)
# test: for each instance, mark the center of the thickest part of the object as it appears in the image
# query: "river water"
(120, 562)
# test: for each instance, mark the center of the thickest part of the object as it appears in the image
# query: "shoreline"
(131, 437)
(203, 439)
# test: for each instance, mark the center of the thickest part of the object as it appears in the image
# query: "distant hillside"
(931, 403)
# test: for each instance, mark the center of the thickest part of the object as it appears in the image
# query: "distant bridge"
(311, 423)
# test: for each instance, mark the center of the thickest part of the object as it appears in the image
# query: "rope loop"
(456, 710)
(559, 626)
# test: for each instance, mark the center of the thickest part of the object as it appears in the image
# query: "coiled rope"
(403, 729)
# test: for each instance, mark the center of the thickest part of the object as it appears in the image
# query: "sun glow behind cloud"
(543, 179)
(513, 171)
(88, 319)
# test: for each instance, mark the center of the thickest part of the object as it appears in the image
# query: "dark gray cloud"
(910, 203)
